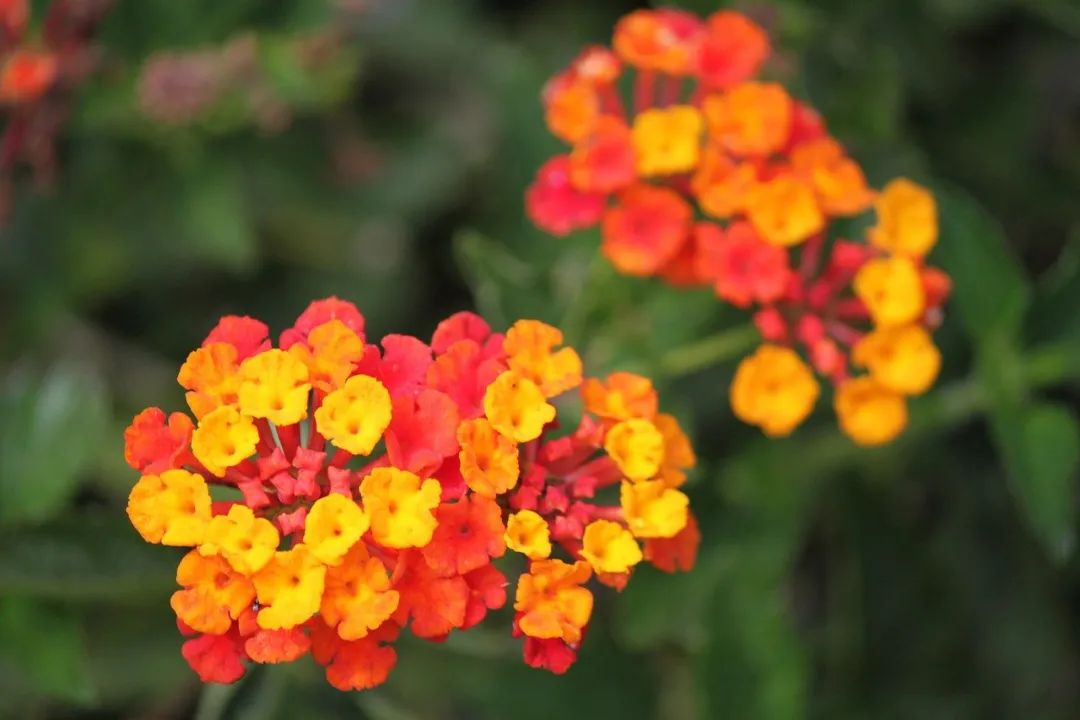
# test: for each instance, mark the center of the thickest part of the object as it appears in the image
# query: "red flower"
(646, 229)
(604, 161)
(742, 267)
(248, 335)
(469, 535)
(151, 446)
(732, 50)
(555, 206)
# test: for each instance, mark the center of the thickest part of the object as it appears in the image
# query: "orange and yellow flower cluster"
(334, 492)
(709, 176)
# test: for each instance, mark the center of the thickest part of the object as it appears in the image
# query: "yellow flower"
(355, 416)
(245, 541)
(223, 439)
(274, 385)
(907, 219)
(637, 447)
(869, 413)
(667, 141)
(172, 508)
(903, 359)
(652, 509)
(530, 351)
(609, 547)
(891, 289)
(516, 407)
(333, 525)
(773, 389)
(289, 588)
(784, 210)
(528, 534)
(400, 507)
(488, 460)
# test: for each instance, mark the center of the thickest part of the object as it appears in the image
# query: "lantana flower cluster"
(706, 175)
(333, 492)
(37, 65)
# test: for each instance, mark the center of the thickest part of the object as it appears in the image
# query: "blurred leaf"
(45, 646)
(1042, 449)
(83, 559)
(1053, 314)
(991, 293)
(50, 433)
(214, 217)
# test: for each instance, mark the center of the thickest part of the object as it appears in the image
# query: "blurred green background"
(237, 156)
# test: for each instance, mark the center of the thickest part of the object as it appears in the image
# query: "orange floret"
(667, 141)
(623, 395)
(331, 353)
(903, 359)
(892, 290)
(722, 184)
(488, 460)
(907, 219)
(784, 210)
(213, 594)
(210, 374)
(773, 389)
(552, 602)
(358, 597)
(870, 414)
(530, 349)
(837, 179)
(750, 120)
(678, 452)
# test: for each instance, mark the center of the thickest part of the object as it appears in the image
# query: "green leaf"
(991, 293)
(214, 217)
(1042, 449)
(84, 559)
(45, 646)
(51, 430)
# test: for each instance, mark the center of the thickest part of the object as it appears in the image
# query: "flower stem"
(708, 351)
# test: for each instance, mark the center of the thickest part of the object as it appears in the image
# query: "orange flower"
(838, 181)
(358, 597)
(517, 408)
(488, 460)
(773, 389)
(551, 601)
(721, 184)
(530, 351)
(732, 49)
(663, 40)
(622, 396)
(870, 414)
(784, 210)
(572, 108)
(211, 375)
(213, 594)
(750, 120)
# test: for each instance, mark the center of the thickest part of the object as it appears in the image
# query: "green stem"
(708, 351)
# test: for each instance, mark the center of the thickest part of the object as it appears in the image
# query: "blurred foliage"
(378, 149)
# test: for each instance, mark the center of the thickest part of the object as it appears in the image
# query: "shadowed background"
(236, 156)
